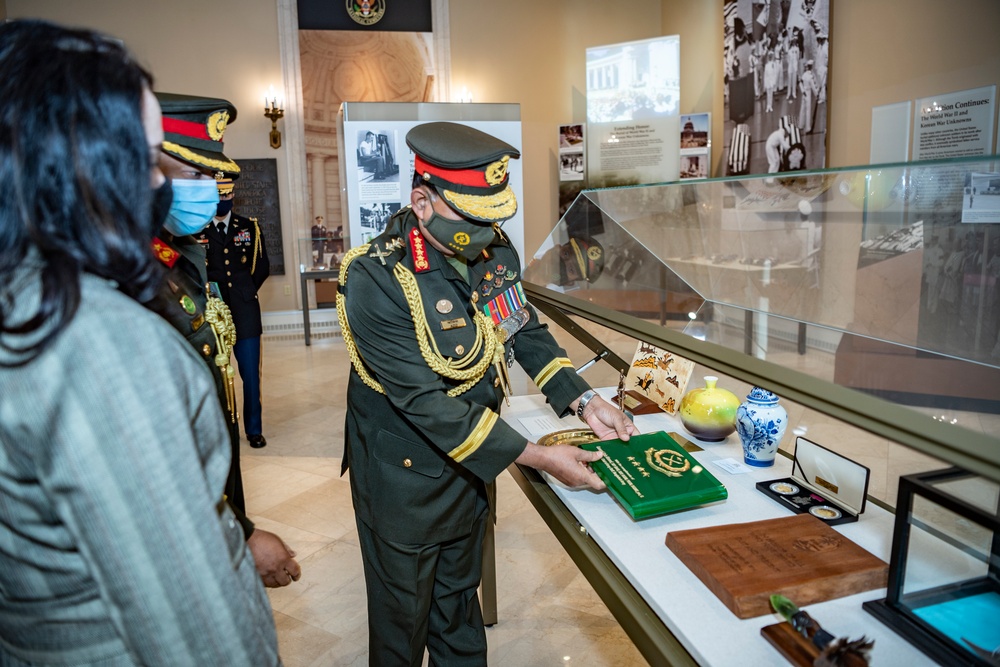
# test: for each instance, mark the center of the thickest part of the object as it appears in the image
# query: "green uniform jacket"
(181, 302)
(420, 459)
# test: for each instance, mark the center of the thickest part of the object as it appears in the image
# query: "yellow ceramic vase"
(709, 413)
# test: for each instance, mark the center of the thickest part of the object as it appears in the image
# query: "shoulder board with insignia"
(386, 250)
(500, 235)
(165, 253)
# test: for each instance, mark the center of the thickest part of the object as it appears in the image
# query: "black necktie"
(221, 226)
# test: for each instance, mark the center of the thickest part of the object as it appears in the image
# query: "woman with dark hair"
(114, 545)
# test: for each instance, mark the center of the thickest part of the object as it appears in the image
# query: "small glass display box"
(944, 572)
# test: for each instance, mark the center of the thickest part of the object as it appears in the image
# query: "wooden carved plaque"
(799, 557)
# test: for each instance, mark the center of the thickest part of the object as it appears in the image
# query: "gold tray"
(573, 436)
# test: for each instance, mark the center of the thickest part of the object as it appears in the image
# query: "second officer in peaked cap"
(432, 312)
(191, 156)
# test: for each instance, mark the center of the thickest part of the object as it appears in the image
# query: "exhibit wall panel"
(896, 53)
(236, 57)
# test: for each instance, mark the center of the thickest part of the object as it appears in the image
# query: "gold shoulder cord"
(459, 369)
(256, 246)
(221, 320)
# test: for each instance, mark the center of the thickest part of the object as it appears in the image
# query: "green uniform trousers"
(435, 604)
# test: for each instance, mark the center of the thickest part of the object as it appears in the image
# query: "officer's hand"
(567, 464)
(607, 421)
(276, 563)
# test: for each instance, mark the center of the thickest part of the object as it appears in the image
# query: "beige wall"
(228, 49)
(532, 53)
(879, 54)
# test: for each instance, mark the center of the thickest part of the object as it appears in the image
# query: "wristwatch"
(587, 397)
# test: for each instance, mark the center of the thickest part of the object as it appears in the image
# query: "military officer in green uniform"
(193, 128)
(433, 313)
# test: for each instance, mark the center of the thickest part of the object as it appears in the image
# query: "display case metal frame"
(895, 422)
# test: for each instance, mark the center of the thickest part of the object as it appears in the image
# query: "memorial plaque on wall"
(256, 196)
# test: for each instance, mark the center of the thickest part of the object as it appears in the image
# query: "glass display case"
(944, 573)
(319, 274)
(862, 297)
(861, 294)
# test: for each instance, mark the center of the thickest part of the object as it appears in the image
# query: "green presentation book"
(651, 474)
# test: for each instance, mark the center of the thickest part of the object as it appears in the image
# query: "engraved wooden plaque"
(799, 557)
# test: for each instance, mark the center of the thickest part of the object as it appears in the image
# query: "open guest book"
(651, 474)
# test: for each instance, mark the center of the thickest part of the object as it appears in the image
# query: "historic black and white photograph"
(776, 64)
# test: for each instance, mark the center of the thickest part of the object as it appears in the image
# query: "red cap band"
(470, 177)
(187, 128)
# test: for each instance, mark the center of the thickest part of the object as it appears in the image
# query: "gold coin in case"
(784, 488)
(826, 512)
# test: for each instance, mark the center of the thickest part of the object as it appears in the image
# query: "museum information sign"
(954, 125)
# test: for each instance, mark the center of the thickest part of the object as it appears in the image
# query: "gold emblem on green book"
(667, 461)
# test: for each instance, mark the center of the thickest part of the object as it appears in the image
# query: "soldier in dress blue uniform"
(432, 313)
(238, 264)
(193, 128)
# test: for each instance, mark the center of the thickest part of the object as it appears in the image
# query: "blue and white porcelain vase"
(760, 423)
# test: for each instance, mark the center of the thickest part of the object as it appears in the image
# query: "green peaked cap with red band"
(193, 128)
(468, 167)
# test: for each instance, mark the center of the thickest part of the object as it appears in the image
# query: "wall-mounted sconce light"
(273, 109)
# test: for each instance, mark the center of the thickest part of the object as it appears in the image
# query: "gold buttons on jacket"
(407, 463)
(443, 306)
(226, 251)
(227, 262)
(459, 350)
(206, 349)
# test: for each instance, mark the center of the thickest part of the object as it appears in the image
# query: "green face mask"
(465, 238)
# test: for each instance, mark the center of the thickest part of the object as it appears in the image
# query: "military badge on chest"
(242, 238)
(509, 315)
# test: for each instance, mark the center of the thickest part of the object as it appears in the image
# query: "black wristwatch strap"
(587, 397)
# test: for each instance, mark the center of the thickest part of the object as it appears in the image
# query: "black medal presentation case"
(831, 487)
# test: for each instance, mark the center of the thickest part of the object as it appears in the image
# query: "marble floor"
(548, 613)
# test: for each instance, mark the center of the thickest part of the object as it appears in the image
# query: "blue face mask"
(193, 206)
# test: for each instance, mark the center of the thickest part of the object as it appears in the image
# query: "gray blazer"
(113, 457)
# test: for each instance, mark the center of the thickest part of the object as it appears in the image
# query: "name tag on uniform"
(448, 325)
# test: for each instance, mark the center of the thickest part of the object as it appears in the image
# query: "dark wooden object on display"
(638, 404)
(799, 557)
(795, 648)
